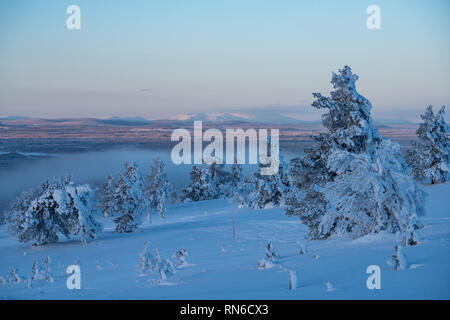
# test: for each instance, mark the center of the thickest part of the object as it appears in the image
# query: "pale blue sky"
(159, 58)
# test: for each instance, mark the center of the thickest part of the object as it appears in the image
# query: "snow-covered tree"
(3, 214)
(260, 191)
(329, 286)
(221, 179)
(57, 206)
(42, 272)
(13, 276)
(35, 270)
(145, 260)
(106, 204)
(301, 247)
(270, 252)
(398, 258)
(264, 264)
(236, 176)
(181, 255)
(164, 267)
(430, 157)
(292, 279)
(158, 188)
(245, 193)
(202, 187)
(351, 181)
(130, 202)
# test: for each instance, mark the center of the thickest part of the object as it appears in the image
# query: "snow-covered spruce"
(202, 186)
(129, 199)
(57, 206)
(106, 203)
(158, 188)
(351, 181)
(430, 157)
(260, 191)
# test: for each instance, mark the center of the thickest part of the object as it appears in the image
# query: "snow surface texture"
(220, 268)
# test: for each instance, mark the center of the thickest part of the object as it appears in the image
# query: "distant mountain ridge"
(268, 116)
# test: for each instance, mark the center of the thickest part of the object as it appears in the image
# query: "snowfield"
(222, 268)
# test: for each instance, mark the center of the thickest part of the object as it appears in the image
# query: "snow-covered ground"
(223, 268)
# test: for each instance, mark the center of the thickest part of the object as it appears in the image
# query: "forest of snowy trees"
(350, 181)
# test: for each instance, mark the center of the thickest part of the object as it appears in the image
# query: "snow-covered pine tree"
(106, 204)
(430, 157)
(202, 187)
(158, 188)
(130, 202)
(351, 181)
(57, 206)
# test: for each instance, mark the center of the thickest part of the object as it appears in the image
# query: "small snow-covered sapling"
(399, 258)
(13, 276)
(270, 252)
(301, 247)
(330, 286)
(181, 255)
(145, 263)
(292, 280)
(115, 263)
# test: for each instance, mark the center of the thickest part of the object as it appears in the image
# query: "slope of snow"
(223, 268)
